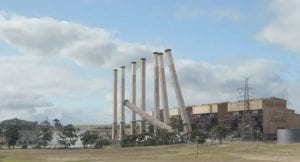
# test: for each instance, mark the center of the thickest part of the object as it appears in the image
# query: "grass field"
(228, 152)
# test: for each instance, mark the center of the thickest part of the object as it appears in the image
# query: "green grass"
(228, 152)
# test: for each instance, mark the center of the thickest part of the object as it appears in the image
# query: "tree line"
(67, 136)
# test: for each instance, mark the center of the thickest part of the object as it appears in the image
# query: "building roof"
(16, 121)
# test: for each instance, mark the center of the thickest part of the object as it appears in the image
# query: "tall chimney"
(122, 107)
(156, 90)
(164, 91)
(143, 93)
(179, 97)
(133, 95)
(115, 106)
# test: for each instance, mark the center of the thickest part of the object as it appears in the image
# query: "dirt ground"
(228, 152)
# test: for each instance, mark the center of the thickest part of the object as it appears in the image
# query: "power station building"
(264, 114)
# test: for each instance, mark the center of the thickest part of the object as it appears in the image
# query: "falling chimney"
(164, 91)
(179, 97)
(156, 90)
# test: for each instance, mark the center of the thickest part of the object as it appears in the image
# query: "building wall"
(174, 112)
(255, 104)
(28, 137)
(202, 109)
(273, 119)
(274, 102)
(222, 111)
(278, 117)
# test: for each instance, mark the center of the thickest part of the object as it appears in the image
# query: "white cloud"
(284, 29)
(37, 73)
(23, 76)
(28, 83)
(227, 14)
(54, 38)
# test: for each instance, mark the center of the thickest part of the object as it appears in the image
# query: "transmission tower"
(246, 112)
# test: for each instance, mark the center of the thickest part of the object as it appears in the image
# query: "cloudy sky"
(57, 57)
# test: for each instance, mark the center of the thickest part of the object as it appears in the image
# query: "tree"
(234, 124)
(89, 138)
(176, 124)
(57, 124)
(102, 142)
(68, 136)
(1, 134)
(12, 135)
(198, 136)
(46, 134)
(219, 132)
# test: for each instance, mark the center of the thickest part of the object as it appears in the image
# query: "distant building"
(29, 130)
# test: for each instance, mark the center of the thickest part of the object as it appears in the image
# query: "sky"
(57, 57)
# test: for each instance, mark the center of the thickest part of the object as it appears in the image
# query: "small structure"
(288, 136)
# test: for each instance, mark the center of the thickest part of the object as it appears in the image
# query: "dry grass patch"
(228, 152)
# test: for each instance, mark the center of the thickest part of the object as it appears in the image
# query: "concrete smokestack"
(156, 90)
(133, 95)
(164, 91)
(143, 93)
(115, 106)
(122, 107)
(180, 100)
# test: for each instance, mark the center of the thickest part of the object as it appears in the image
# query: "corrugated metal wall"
(287, 136)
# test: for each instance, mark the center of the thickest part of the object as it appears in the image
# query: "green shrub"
(102, 142)
(197, 136)
(24, 147)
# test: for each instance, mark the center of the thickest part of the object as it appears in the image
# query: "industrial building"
(265, 114)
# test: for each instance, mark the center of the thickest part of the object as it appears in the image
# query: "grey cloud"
(24, 102)
(203, 82)
(88, 115)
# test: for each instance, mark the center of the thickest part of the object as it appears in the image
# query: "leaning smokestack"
(115, 106)
(143, 93)
(179, 97)
(156, 90)
(122, 107)
(164, 91)
(133, 95)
